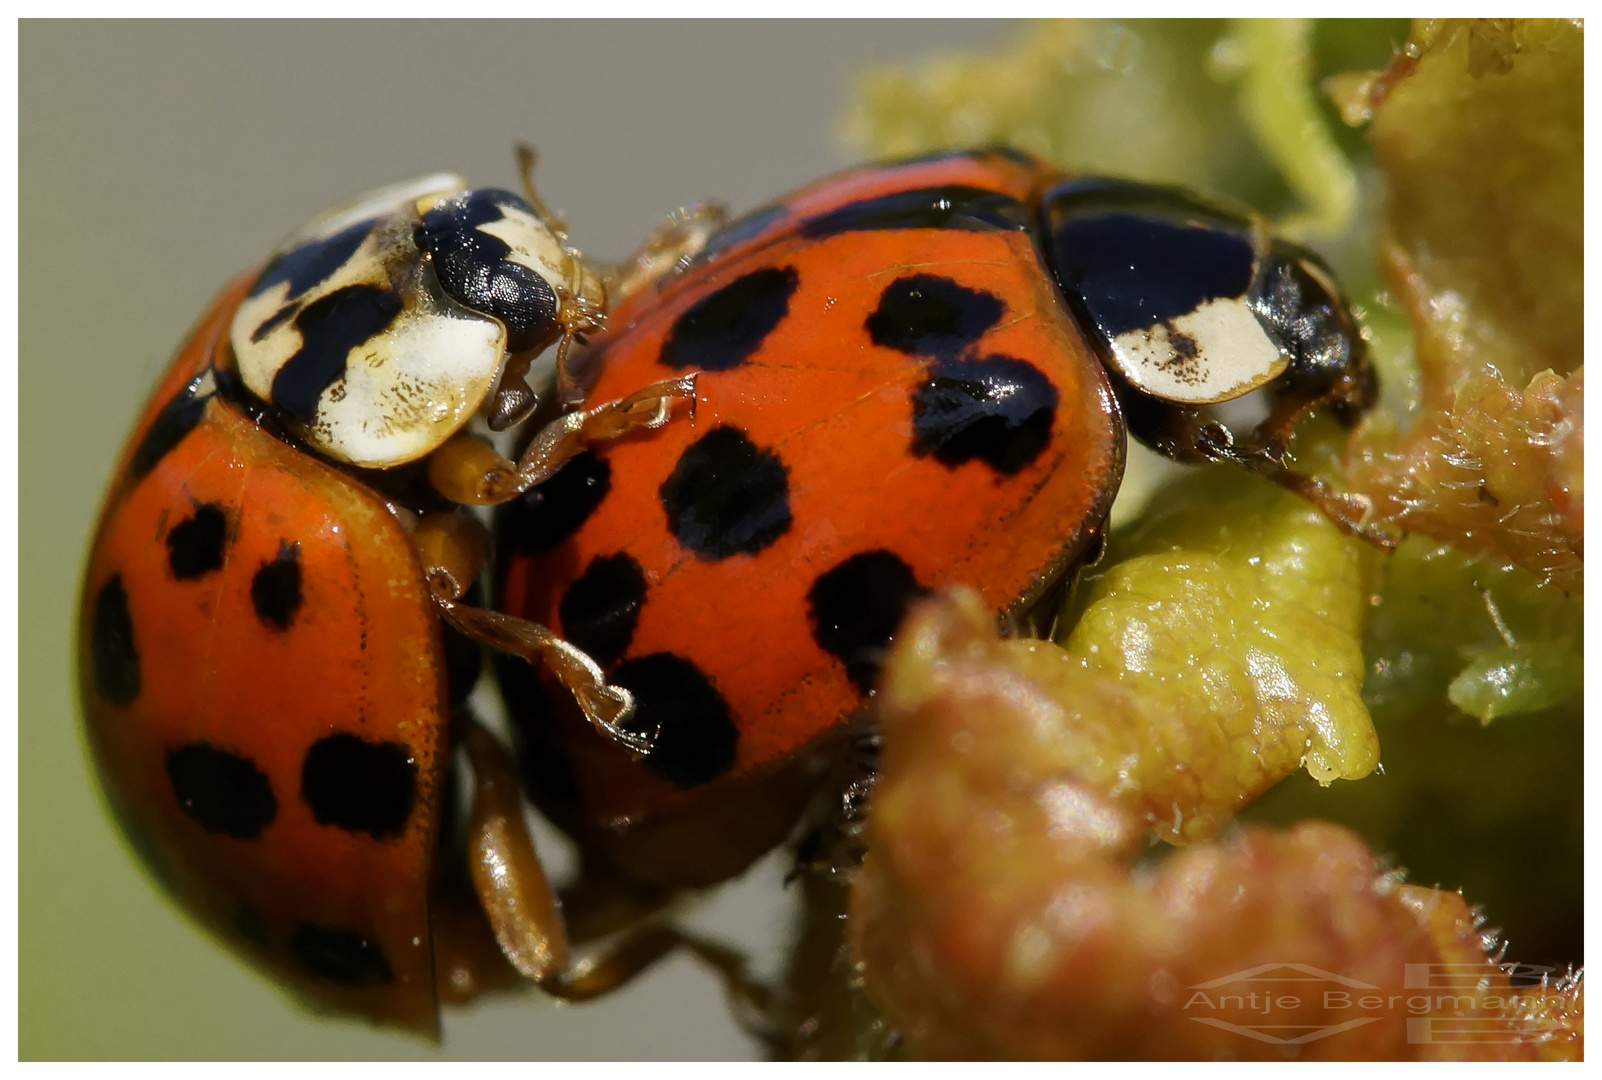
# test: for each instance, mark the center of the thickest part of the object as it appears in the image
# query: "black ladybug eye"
(474, 268)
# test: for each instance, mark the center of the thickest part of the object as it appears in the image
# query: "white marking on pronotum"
(1217, 352)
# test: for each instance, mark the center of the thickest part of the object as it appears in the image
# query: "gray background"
(159, 159)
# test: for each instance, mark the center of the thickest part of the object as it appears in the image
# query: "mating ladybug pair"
(782, 432)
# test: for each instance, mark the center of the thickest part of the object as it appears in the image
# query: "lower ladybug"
(274, 642)
(910, 375)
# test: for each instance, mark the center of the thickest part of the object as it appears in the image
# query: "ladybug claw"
(688, 391)
(606, 706)
(614, 709)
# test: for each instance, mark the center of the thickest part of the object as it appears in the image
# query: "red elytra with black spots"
(893, 397)
(264, 688)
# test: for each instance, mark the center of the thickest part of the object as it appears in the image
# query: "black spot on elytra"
(952, 206)
(275, 590)
(726, 328)
(341, 955)
(543, 517)
(112, 652)
(998, 410)
(932, 315)
(224, 792)
(599, 610)
(695, 735)
(176, 419)
(330, 327)
(195, 544)
(473, 266)
(359, 785)
(727, 496)
(313, 261)
(856, 607)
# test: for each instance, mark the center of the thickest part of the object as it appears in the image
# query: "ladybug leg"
(526, 914)
(507, 875)
(468, 470)
(638, 949)
(452, 548)
(468, 960)
(680, 237)
(1263, 451)
(607, 707)
(1192, 436)
(602, 900)
(583, 312)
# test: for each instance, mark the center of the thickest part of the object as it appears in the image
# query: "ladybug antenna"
(526, 157)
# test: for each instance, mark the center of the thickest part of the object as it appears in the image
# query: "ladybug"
(275, 636)
(910, 375)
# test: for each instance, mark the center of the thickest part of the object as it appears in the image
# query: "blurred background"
(157, 160)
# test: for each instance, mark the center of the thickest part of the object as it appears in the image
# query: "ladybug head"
(497, 254)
